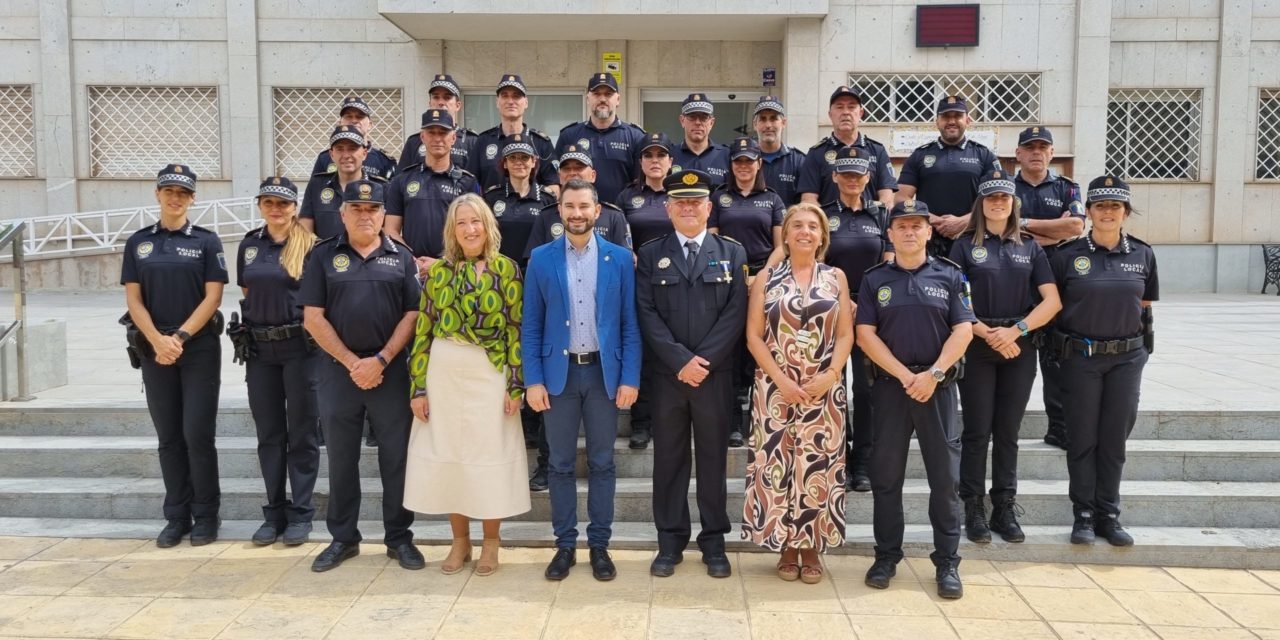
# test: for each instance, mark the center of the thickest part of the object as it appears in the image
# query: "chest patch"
(1082, 265)
(929, 161)
(250, 254)
(145, 250)
(341, 263)
(326, 196)
(884, 295)
(979, 254)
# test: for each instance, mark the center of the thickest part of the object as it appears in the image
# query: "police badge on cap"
(602, 80)
(657, 140)
(909, 208)
(952, 103)
(744, 148)
(1107, 188)
(346, 132)
(517, 144)
(697, 103)
(994, 182)
(278, 187)
(357, 103)
(769, 103)
(437, 118)
(1035, 134)
(363, 191)
(445, 81)
(572, 152)
(850, 160)
(687, 184)
(512, 80)
(177, 175)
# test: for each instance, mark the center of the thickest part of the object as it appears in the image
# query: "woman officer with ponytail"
(277, 371)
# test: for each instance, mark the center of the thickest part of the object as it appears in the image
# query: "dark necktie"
(691, 257)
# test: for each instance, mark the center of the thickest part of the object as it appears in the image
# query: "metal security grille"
(17, 132)
(1268, 159)
(913, 98)
(1154, 134)
(304, 118)
(134, 131)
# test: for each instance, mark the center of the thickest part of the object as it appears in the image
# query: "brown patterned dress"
(795, 462)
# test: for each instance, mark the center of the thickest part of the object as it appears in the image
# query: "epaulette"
(495, 187)
(465, 130)
(320, 241)
(610, 205)
(567, 126)
(196, 227)
(948, 261)
(1137, 240)
(730, 240)
(555, 205)
(539, 134)
(399, 242)
(1026, 236)
(653, 240)
(820, 143)
(926, 145)
(375, 178)
(878, 265)
(257, 230)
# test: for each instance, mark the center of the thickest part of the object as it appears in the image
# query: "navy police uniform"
(1104, 336)
(691, 305)
(323, 198)
(913, 312)
(376, 163)
(364, 298)
(782, 167)
(279, 374)
(464, 143)
(1004, 275)
(714, 160)
(421, 196)
(517, 215)
(172, 267)
(818, 164)
(486, 163)
(611, 148)
(646, 212)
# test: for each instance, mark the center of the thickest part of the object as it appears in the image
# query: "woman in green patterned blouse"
(466, 451)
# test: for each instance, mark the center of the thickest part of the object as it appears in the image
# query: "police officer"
(445, 94)
(1013, 295)
(846, 111)
(692, 304)
(360, 302)
(418, 199)
(945, 172)
(914, 322)
(279, 369)
(173, 274)
(750, 213)
(518, 200)
(782, 162)
(323, 198)
(355, 112)
(858, 242)
(1104, 334)
(605, 137)
(698, 151)
(513, 101)
(1052, 213)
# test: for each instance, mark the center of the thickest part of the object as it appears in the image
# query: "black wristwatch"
(938, 374)
(183, 336)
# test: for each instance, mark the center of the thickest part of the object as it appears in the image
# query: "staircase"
(1201, 489)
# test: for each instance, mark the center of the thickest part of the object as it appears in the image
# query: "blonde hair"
(297, 244)
(452, 250)
(807, 207)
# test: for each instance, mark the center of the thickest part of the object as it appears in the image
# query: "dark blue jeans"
(584, 401)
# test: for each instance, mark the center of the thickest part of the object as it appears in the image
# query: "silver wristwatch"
(938, 374)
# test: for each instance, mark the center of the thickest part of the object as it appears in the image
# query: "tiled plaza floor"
(92, 588)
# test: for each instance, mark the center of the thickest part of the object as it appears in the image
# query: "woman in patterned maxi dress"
(800, 331)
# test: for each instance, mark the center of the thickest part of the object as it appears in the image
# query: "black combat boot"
(975, 521)
(1004, 519)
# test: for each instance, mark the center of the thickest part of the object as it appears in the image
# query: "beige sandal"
(810, 573)
(459, 556)
(789, 570)
(487, 565)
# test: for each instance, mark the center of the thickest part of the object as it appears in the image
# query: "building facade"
(1180, 96)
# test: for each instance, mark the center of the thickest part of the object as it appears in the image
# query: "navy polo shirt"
(172, 267)
(782, 173)
(517, 215)
(414, 151)
(749, 219)
(1004, 276)
(421, 197)
(713, 161)
(612, 153)
(364, 298)
(376, 163)
(913, 310)
(485, 163)
(1054, 196)
(857, 241)
(1102, 290)
(816, 175)
(321, 203)
(272, 297)
(646, 212)
(946, 176)
(611, 225)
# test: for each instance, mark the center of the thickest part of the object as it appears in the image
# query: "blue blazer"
(544, 332)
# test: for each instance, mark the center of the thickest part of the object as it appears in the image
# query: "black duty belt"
(952, 374)
(277, 333)
(1067, 345)
(1000, 322)
(584, 358)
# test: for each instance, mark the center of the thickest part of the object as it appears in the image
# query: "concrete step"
(134, 456)
(234, 420)
(1145, 503)
(1158, 546)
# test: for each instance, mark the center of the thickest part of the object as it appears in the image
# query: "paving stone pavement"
(98, 588)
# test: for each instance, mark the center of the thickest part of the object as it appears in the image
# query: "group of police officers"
(359, 290)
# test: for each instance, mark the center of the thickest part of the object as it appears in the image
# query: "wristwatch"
(1021, 325)
(938, 374)
(182, 336)
(1023, 223)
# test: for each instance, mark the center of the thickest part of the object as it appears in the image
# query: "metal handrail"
(12, 234)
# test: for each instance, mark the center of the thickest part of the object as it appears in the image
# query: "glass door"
(660, 111)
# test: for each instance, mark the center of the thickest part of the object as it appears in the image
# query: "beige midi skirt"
(469, 458)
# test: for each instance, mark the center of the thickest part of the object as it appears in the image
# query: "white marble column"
(1092, 83)
(1231, 141)
(58, 106)
(249, 146)
(799, 79)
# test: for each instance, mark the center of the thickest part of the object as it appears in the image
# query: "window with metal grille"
(912, 98)
(135, 131)
(304, 118)
(1268, 156)
(1154, 134)
(17, 132)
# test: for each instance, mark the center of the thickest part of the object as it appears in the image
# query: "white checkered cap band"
(519, 147)
(769, 105)
(511, 83)
(699, 106)
(995, 186)
(856, 165)
(576, 155)
(178, 179)
(453, 88)
(347, 135)
(1109, 193)
(279, 192)
(356, 104)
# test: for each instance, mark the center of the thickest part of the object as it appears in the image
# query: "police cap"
(842, 91)
(744, 148)
(437, 118)
(518, 144)
(851, 160)
(176, 175)
(278, 187)
(1107, 188)
(687, 184)
(1032, 134)
(908, 209)
(602, 80)
(952, 103)
(769, 103)
(446, 82)
(512, 80)
(572, 152)
(364, 191)
(697, 103)
(346, 132)
(357, 103)
(651, 140)
(993, 182)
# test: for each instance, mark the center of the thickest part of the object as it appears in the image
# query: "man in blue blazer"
(581, 346)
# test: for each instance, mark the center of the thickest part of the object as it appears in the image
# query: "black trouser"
(642, 408)
(183, 401)
(993, 394)
(858, 418)
(894, 417)
(342, 409)
(281, 381)
(1102, 406)
(744, 376)
(679, 411)
(1051, 384)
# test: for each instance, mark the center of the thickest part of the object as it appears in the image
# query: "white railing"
(74, 234)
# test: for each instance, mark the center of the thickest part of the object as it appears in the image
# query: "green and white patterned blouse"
(484, 310)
